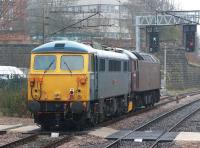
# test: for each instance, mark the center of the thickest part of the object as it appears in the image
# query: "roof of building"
(94, 2)
(6, 70)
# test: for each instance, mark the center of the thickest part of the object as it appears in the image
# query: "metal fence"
(13, 94)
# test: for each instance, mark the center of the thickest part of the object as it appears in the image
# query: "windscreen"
(45, 62)
(72, 63)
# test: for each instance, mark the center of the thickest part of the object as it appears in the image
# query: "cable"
(62, 29)
(40, 89)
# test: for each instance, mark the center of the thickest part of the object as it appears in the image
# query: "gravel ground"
(39, 142)
(85, 141)
(134, 121)
(129, 123)
(13, 120)
(170, 120)
(192, 124)
(7, 138)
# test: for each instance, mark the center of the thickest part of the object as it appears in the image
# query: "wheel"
(94, 120)
(80, 121)
(46, 127)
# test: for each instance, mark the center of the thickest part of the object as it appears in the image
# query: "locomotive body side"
(114, 78)
(113, 83)
(145, 78)
(149, 76)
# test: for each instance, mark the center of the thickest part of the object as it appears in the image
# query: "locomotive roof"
(75, 47)
(63, 46)
(130, 54)
(150, 58)
(111, 54)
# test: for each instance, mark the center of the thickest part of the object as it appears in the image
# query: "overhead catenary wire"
(69, 26)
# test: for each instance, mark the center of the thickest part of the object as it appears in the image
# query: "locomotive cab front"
(58, 86)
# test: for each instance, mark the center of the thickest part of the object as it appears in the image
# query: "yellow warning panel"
(130, 106)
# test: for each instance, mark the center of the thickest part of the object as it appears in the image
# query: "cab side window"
(91, 63)
(114, 66)
(102, 65)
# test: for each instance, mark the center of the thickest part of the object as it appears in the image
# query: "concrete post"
(165, 68)
(137, 34)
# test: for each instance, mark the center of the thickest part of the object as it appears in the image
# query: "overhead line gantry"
(166, 18)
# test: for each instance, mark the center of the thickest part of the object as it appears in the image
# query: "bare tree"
(137, 7)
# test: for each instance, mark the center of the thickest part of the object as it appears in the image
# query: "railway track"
(3, 132)
(174, 126)
(163, 101)
(166, 122)
(39, 140)
(34, 138)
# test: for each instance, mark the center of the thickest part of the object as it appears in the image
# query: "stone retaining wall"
(180, 74)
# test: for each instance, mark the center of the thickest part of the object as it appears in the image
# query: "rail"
(3, 132)
(173, 127)
(34, 138)
(116, 143)
(20, 141)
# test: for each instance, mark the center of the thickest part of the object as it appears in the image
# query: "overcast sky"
(189, 4)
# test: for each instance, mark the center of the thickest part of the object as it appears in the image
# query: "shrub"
(13, 97)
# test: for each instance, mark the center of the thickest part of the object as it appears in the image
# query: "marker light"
(32, 82)
(71, 92)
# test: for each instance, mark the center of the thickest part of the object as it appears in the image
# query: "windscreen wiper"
(67, 67)
(49, 66)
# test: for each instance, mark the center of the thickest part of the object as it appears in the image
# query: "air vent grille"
(59, 45)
